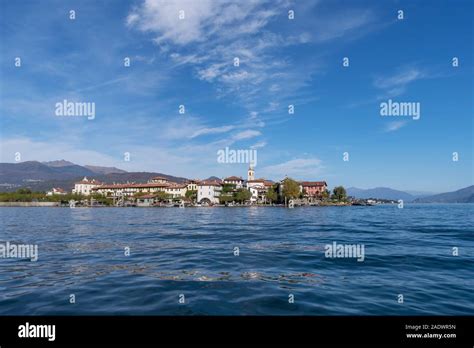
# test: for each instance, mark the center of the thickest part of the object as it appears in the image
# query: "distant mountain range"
(95, 169)
(465, 195)
(42, 176)
(380, 193)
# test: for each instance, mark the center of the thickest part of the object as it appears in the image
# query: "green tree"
(103, 199)
(225, 198)
(226, 188)
(325, 194)
(291, 189)
(191, 194)
(162, 196)
(242, 195)
(272, 194)
(339, 193)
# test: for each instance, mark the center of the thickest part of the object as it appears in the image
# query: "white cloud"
(272, 106)
(396, 84)
(31, 150)
(258, 145)
(202, 19)
(213, 130)
(253, 115)
(214, 32)
(186, 161)
(394, 126)
(339, 25)
(299, 168)
(246, 134)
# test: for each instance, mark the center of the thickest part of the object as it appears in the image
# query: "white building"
(118, 190)
(256, 187)
(176, 190)
(209, 192)
(159, 180)
(234, 180)
(85, 186)
(56, 191)
(191, 185)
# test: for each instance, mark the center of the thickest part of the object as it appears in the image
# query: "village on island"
(160, 191)
(230, 191)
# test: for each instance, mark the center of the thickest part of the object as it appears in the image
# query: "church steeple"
(250, 174)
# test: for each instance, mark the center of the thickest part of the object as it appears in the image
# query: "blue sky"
(190, 62)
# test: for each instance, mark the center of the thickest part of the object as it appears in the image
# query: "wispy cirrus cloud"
(201, 20)
(246, 134)
(396, 83)
(212, 130)
(394, 126)
(221, 20)
(259, 145)
(214, 32)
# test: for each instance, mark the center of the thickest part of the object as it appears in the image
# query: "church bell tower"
(250, 174)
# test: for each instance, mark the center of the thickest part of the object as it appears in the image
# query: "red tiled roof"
(159, 178)
(233, 178)
(90, 182)
(258, 187)
(119, 186)
(257, 180)
(209, 183)
(177, 186)
(193, 181)
(313, 183)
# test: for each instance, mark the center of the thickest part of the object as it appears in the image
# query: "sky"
(336, 133)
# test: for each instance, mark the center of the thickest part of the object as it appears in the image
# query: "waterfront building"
(85, 186)
(234, 180)
(159, 180)
(118, 190)
(176, 190)
(191, 185)
(146, 200)
(208, 192)
(313, 188)
(258, 188)
(56, 191)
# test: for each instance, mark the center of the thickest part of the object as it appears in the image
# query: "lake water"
(190, 252)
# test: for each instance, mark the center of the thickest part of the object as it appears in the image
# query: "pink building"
(313, 188)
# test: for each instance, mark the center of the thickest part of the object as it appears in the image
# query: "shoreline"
(58, 205)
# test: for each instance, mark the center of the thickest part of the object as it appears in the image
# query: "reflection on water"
(281, 251)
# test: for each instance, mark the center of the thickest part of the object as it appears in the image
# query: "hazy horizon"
(412, 192)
